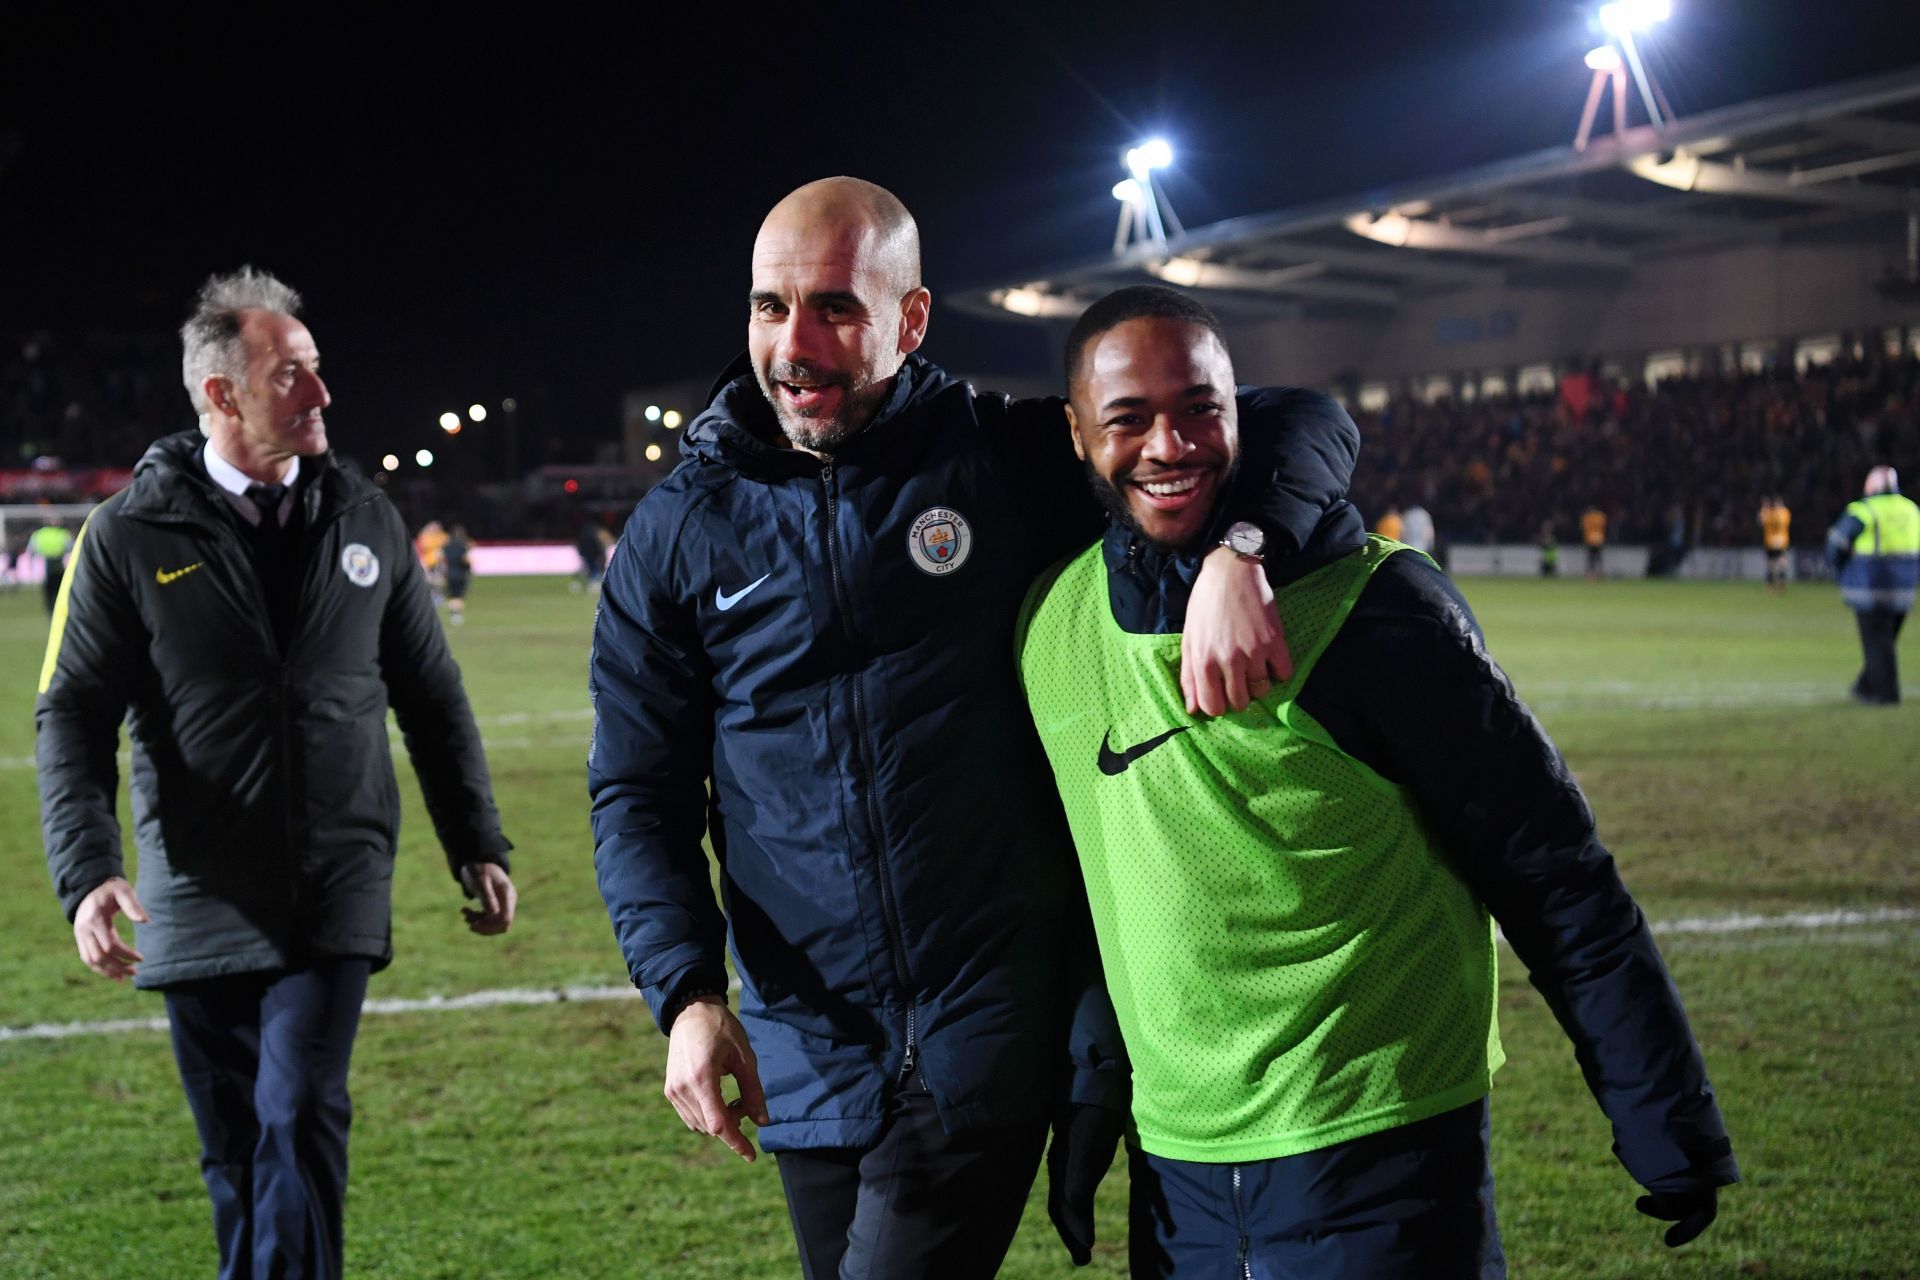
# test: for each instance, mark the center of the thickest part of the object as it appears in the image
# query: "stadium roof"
(1839, 163)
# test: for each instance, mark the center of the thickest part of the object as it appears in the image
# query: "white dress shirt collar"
(233, 482)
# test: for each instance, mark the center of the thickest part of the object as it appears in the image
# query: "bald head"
(836, 307)
(860, 217)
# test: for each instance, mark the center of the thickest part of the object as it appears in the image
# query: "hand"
(1691, 1213)
(490, 883)
(1233, 649)
(1084, 1139)
(705, 1043)
(93, 931)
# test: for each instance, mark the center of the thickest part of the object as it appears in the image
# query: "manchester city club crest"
(361, 566)
(939, 540)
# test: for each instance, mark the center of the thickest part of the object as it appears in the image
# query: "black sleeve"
(1297, 449)
(436, 722)
(1407, 687)
(97, 644)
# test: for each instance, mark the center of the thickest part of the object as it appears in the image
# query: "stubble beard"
(1115, 502)
(818, 432)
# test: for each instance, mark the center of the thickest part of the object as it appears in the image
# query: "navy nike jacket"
(811, 660)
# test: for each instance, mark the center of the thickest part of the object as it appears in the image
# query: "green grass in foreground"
(1707, 722)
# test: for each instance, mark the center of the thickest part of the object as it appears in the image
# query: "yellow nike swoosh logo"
(163, 577)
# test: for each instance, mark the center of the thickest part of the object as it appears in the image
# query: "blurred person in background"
(51, 542)
(251, 606)
(1874, 548)
(1295, 904)
(1391, 525)
(1775, 522)
(455, 558)
(431, 544)
(1416, 529)
(1593, 531)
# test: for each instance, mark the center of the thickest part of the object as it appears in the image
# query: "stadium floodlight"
(449, 422)
(653, 413)
(653, 453)
(390, 463)
(1144, 212)
(1154, 153)
(1622, 17)
(1606, 59)
(671, 419)
(509, 405)
(477, 412)
(424, 457)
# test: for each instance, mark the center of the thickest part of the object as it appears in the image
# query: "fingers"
(1188, 692)
(753, 1099)
(129, 904)
(100, 946)
(497, 896)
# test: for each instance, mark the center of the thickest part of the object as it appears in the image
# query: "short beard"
(822, 434)
(1117, 506)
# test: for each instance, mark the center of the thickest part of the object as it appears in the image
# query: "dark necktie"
(268, 536)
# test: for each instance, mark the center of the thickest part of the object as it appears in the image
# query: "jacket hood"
(739, 429)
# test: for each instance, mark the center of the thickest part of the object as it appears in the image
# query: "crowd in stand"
(1691, 455)
(1703, 452)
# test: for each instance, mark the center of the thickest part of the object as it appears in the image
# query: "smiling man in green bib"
(1296, 903)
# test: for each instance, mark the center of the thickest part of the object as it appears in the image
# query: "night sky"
(557, 208)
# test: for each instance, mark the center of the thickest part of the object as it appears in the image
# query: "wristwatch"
(1246, 540)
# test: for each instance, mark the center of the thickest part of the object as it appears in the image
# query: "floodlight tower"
(1623, 20)
(1144, 210)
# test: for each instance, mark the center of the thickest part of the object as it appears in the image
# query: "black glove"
(1690, 1212)
(1084, 1138)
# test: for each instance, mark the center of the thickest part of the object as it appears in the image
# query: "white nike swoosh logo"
(727, 602)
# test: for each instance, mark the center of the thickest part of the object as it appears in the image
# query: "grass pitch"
(1708, 723)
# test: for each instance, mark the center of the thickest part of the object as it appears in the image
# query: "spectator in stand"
(1391, 524)
(594, 544)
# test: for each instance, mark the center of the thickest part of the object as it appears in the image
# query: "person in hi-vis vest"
(1875, 552)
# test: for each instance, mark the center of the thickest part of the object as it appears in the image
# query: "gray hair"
(211, 336)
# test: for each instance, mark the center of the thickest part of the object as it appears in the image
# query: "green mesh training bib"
(1292, 960)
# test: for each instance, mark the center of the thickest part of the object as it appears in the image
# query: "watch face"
(1246, 539)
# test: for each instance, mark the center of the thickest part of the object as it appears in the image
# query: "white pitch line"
(1812, 921)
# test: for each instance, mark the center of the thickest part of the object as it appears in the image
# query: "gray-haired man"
(251, 606)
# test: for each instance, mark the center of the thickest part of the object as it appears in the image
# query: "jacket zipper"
(1244, 1255)
(889, 910)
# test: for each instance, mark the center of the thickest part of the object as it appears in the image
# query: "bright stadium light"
(1606, 58)
(671, 419)
(1624, 17)
(477, 412)
(449, 422)
(653, 413)
(1144, 212)
(653, 453)
(424, 457)
(390, 463)
(1154, 153)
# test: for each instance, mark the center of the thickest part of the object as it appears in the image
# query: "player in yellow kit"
(1774, 522)
(1593, 529)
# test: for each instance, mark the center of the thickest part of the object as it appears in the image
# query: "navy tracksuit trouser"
(1410, 1203)
(263, 1058)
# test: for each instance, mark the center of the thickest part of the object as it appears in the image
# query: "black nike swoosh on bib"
(1114, 763)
